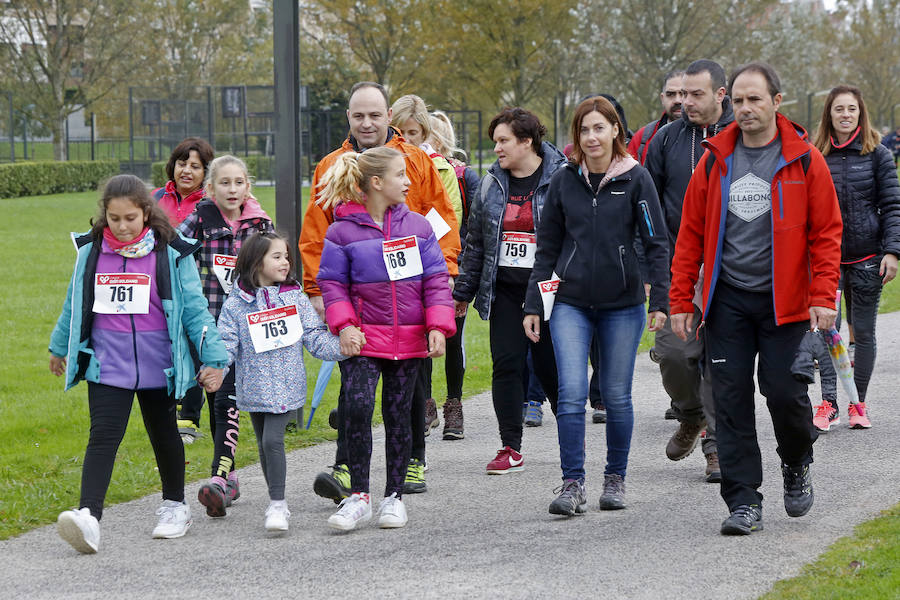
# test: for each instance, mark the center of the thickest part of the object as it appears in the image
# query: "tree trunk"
(58, 131)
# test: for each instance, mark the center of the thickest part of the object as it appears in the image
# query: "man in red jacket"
(762, 215)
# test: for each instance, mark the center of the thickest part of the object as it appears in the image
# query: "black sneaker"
(571, 499)
(670, 414)
(333, 419)
(798, 492)
(334, 485)
(744, 520)
(599, 415)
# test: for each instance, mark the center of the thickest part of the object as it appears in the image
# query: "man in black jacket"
(672, 156)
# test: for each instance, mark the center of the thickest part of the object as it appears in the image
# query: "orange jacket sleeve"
(312, 235)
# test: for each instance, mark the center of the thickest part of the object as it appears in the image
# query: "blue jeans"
(618, 333)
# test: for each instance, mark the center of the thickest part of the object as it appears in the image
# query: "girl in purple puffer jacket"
(382, 272)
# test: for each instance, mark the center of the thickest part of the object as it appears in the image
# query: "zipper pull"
(594, 201)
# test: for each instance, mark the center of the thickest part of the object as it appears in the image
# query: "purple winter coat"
(396, 315)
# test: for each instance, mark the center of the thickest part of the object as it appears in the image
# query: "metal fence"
(237, 119)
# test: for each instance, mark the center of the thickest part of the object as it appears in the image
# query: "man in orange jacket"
(762, 215)
(369, 116)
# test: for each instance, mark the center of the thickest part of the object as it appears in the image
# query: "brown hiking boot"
(713, 473)
(684, 440)
(431, 416)
(453, 419)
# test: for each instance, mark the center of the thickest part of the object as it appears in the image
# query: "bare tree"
(66, 54)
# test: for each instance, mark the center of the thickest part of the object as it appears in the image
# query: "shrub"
(40, 178)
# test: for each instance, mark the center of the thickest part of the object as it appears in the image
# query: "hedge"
(40, 178)
(262, 168)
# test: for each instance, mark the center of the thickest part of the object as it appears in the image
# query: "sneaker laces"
(688, 431)
(824, 409)
(569, 489)
(352, 506)
(613, 485)
(745, 512)
(794, 479)
(166, 513)
(388, 504)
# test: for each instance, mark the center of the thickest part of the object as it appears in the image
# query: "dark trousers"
(361, 379)
(862, 294)
(741, 325)
(509, 347)
(192, 403)
(421, 392)
(686, 379)
(228, 425)
(455, 360)
(110, 408)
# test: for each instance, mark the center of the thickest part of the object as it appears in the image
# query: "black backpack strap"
(645, 138)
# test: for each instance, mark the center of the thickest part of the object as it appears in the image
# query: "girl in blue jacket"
(265, 323)
(133, 312)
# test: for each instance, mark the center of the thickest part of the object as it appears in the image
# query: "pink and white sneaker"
(506, 461)
(858, 416)
(826, 416)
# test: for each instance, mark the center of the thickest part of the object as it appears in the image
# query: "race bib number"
(121, 293)
(223, 267)
(517, 249)
(274, 328)
(401, 258)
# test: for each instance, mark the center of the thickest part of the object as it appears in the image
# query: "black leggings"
(110, 408)
(862, 294)
(361, 374)
(455, 360)
(228, 425)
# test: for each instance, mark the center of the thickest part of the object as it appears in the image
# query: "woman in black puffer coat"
(869, 195)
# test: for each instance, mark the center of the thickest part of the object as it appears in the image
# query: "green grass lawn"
(863, 565)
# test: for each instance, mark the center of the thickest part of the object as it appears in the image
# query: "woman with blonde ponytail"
(379, 256)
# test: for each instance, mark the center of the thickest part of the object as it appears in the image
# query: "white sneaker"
(353, 510)
(392, 512)
(277, 516)
(174, 520)
(80, 529)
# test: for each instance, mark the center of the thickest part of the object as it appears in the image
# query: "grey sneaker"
(613, 497)
(571, 499)
(744, 520)
(798, 492)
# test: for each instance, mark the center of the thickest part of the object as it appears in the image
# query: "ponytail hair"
(442, 136)
(349, 178)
